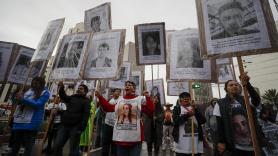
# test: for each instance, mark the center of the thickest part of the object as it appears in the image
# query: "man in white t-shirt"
(56, 109)
(107, 129)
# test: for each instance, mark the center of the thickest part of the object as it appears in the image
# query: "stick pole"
(192, 121)
(249, 112)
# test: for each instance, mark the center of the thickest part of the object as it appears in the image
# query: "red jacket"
(148, 109)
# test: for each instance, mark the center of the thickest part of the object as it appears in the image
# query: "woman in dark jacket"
(153, 127)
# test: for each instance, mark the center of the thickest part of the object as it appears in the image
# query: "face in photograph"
(241, 128)
(46, 39)
(151, 43)
(188, 54)
(126, 116)
(224, 72)
(101, 59)
(155, 91)
(231, 18)
(95, 23)
(21, 67)
(123, 74)
(35, 71)
(72, 56)
(63, 55)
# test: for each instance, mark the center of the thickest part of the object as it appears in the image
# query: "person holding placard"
(128, 136)
(234, 134)
(183, 114)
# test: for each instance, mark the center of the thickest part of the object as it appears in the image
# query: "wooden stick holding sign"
(192, 119)
(93, 114)
(249, 111)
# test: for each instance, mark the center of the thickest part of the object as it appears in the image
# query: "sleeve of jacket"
(63, 95)
(255, 97)
(105, 105)
(148, 108)
(177, 118)
(220, 130)
(200, 118)
(37, 102)
(86, 114)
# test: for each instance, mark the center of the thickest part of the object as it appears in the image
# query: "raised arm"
(104, 103)
(62, 93)
(148, 108)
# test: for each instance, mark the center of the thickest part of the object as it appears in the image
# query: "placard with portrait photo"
(105, 55)
(48, 40)
(185, 60)
(236, 27)
(6, 54)
(98, 19)
(70, 57)
(20, 69)
(122, 76)
(156, 88)
(150, 43)
(174, 88)
(225, 73)
(37, 69)
(137, 78)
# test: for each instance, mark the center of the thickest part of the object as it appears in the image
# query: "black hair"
(184, 95)
(131, 82)
(38, 89)
(85, 88)
(115, 89)
(226, 84)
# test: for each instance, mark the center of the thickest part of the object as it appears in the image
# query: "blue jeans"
(107, 143)
(64, 133)
(134, 150)
(26, 138)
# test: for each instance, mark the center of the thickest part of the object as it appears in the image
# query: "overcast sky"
(24, 21)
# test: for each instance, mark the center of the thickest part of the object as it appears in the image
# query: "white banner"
(48, 40)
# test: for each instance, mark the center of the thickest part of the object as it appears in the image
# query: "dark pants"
(52, 136)
(243, 153)
(134, 150)
(26, 138)
(182, 154)
(107, 134)
(65, 133)
(154, 141)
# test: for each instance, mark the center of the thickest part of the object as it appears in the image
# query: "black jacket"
(178, 120)
(224, 125)
(78, 110)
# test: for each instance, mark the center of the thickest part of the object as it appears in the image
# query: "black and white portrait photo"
(6, 50)
(184, 56)
(98, 19)
(225, 73)
(20, 69)
(189, 54)
(156, 88)
(122, 76)
(233, 18)
(102, 59)
(235, 26)
(105, 54)
(70, 56)
(174, 88)
(37, 68)
(136, 77)
(150, 43)
(48, 40)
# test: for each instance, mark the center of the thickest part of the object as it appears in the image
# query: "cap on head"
(230, 5)
(131, 82)
(184, 95)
